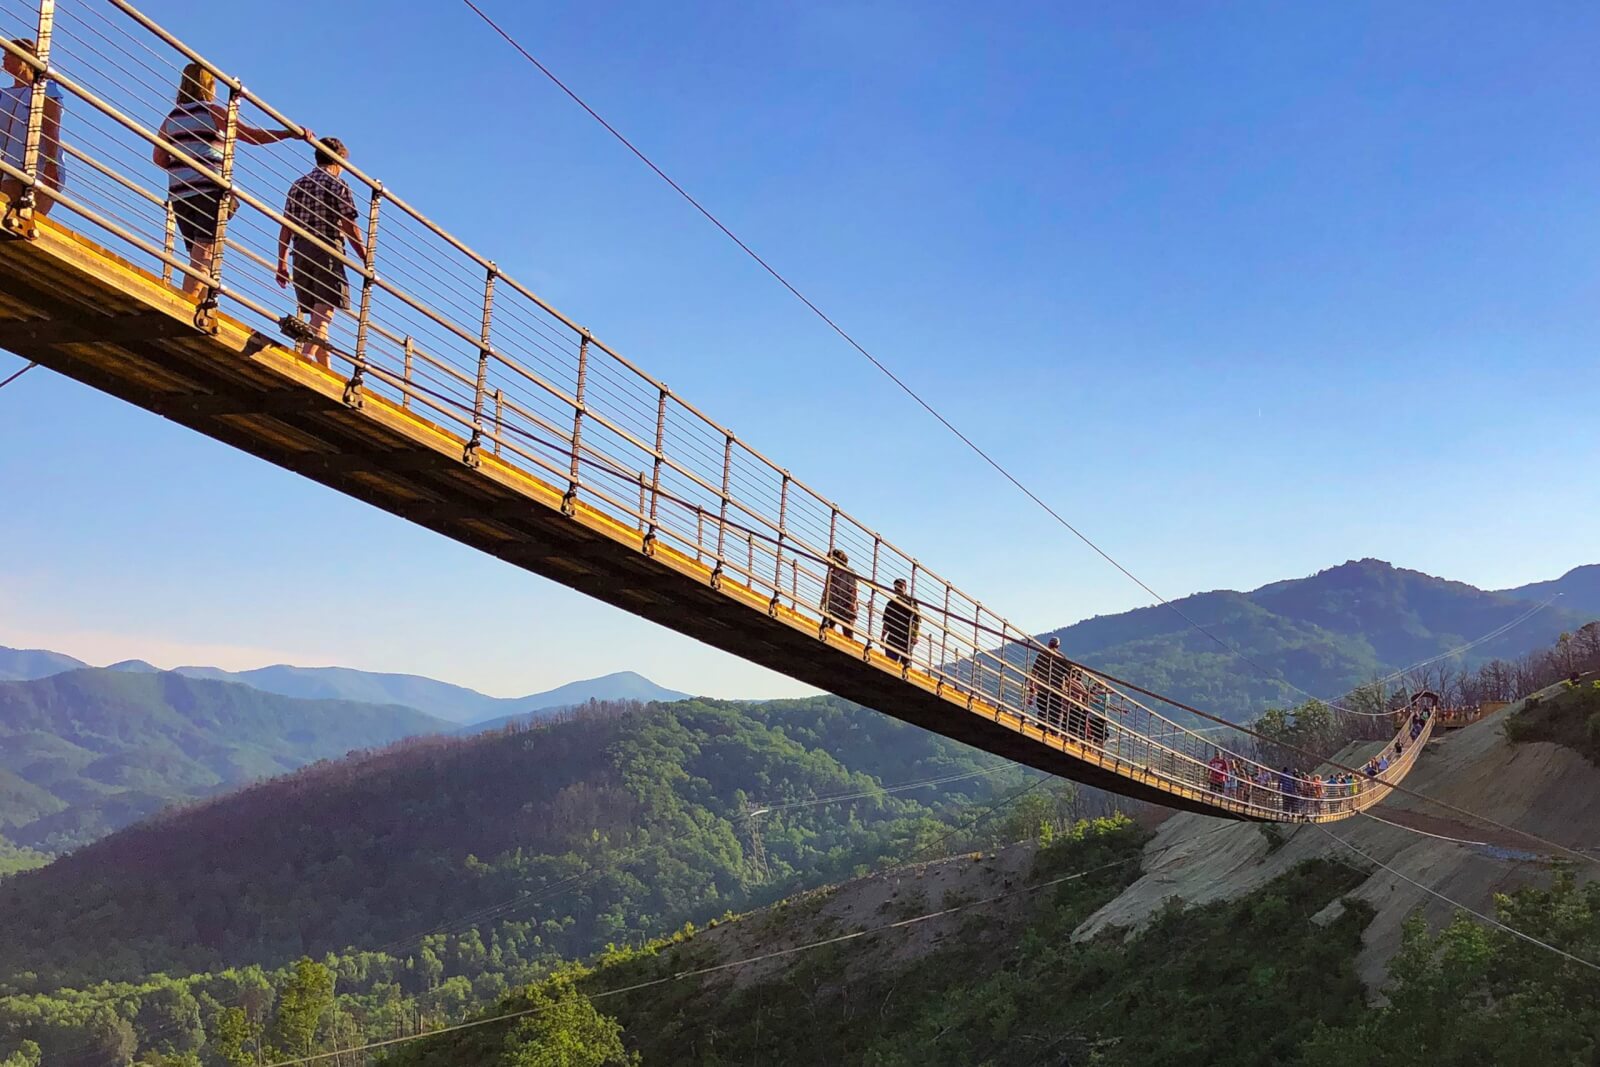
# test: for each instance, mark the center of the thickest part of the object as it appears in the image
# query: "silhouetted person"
(901, 624)
(1047, 684)
(320, 203)
(839, 595)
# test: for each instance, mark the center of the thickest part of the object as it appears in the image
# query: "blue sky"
(1245, 290)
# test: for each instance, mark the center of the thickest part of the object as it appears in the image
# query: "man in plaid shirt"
(320, 204)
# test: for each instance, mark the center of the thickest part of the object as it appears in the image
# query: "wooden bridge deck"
(84, 312)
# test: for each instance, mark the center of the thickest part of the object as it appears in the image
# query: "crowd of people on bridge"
(1298, 792)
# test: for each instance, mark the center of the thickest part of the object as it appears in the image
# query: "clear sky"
(1244, 289)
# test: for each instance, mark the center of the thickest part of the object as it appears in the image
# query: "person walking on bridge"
(1047, 684)
(902, 624)
(839, 595)
(321, 205)
(16, 101)
(1218, 777)
(197, 126)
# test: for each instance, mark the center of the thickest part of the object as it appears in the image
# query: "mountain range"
(442, 700)
(1324, 634)
(87, 751)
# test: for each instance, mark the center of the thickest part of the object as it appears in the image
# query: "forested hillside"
(1326, 634)
(1265, 980)
(370, 849)
(88, 751)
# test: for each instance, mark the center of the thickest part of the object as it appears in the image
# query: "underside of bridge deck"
(80, 310)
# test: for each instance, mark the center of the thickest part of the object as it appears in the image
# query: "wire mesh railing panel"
(171, 163)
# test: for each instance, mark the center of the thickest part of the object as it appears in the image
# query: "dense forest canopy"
(363, 851)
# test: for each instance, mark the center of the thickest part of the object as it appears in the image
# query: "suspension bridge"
(460, 400)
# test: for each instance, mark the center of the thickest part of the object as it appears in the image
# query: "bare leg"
(200, 260)
(321, 316)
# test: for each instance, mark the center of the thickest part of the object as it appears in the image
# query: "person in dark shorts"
(320, 204)
(902, 624)
(197, 126)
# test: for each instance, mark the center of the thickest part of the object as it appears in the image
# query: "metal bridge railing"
(440, 330)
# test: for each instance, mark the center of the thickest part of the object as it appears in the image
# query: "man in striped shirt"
(320, 204)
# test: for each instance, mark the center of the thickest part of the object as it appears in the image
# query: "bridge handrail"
(413, 336)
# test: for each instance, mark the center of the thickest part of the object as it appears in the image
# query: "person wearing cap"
(839, 595)
(1047, 684)
(902, 624)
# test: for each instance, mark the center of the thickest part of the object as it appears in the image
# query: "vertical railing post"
(469, 455)
(944, 632)
(19, 216)
(410, 347)
(641, 501)
(655, 473)
(169, 243)
(722, 510)
(777, 555)
(872, 598)
(352, 390)
(911, 590)
(574, 475)
(205, 316)
(499, 407)
(977, 612)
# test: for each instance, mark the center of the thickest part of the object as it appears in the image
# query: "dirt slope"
(1543, 788)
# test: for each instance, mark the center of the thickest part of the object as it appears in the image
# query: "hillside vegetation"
(89, 751)
(371, 849)
(1265, 979)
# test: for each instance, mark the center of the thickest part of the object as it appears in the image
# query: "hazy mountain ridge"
(1579, 589)
(442, 700)
(26, 664)
(1324, 633)
(88, 751)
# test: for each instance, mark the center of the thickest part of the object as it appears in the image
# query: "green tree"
(27, 1055)
(111, 1041)
(563, 1029)
(231, 1036)
(168, 1019)
(302, 1002)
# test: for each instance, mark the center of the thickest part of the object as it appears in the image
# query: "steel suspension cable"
(1273, 676)
(1480, 916)
(11, 378)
